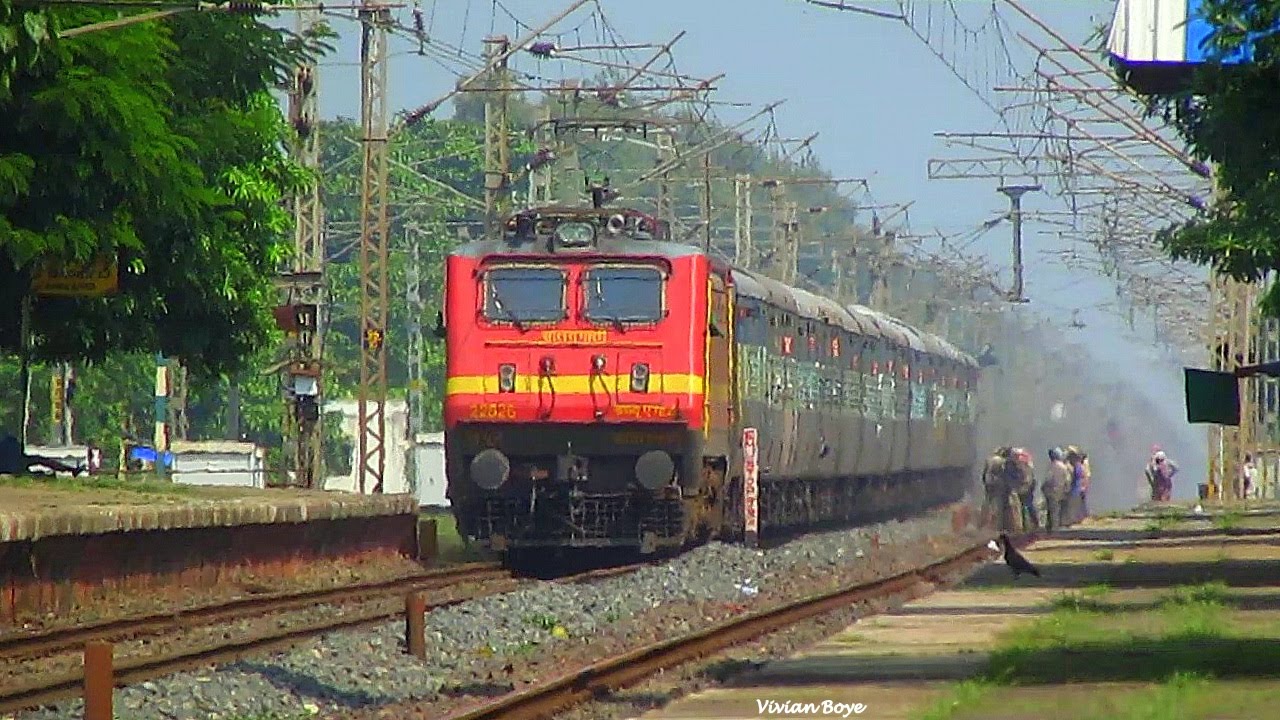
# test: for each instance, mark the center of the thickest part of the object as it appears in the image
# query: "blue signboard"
(1166, 32)
(145, 454)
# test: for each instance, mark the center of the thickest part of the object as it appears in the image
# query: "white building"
(426, 482)
(202, 462)
(219, 462)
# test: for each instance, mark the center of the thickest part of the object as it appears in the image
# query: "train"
(610, 387)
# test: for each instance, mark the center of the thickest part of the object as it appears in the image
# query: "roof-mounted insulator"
(543, 49)
(541, 159)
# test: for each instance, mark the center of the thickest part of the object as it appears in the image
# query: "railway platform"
(1161, 612)
(70, 545)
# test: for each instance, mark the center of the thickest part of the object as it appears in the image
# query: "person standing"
(1026, 488)
(1160, 474)
(1086, 478)
(1055, 490)
(1248, 478)
(1075, 510)
(994, 510)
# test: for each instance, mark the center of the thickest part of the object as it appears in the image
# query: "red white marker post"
(750, 486)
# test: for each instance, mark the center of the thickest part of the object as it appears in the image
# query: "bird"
(1014, 559)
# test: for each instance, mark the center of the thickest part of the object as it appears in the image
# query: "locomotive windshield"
(616, 294)
(524, 294)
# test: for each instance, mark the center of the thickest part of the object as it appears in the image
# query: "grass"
(963, 696)
(1181, 658)
(454, 548)
(93, 484)
(1164, 520)
(1229, 520)
(1104, 555)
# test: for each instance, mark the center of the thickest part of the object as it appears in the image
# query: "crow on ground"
(1014, 559)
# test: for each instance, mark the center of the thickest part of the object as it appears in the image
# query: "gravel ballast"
(490, 645)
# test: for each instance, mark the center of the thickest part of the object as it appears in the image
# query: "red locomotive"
(602, 379)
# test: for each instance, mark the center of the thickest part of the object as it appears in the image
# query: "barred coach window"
(522, 293)
(623, 294)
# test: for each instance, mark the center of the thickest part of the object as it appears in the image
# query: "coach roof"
(887, 330)
(765, 288)
(821, 308)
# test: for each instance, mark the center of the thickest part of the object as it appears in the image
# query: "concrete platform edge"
(96, 520)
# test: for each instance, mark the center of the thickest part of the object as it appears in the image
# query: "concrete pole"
(160, 441)
(1015, 193)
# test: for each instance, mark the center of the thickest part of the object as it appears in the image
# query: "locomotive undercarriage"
(564, 517)
(616, 487)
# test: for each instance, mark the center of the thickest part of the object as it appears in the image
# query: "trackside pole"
(415, 620)
(98, 681)
(750, 486)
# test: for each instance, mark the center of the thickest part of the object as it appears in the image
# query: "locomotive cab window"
(524, 294)
(623, 294)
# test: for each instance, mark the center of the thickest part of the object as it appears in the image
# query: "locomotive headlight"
(506, 378)
(640, 377)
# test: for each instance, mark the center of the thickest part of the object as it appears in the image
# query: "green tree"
(159, 142)
(1230, 115)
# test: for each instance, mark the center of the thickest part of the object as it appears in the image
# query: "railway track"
(556, 695)
(19, 647)
(32, 648)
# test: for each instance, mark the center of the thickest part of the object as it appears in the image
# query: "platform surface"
(30, 510)
(1165, 613)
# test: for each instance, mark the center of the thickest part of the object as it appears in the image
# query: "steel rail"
(67, 638)
(71, 685)
(545, 699)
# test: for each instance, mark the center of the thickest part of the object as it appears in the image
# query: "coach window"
(524, 293)
(624, 294)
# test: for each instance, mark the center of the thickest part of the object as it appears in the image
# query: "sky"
(874, 92)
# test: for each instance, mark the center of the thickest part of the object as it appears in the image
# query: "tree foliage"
(1230, 115)
(159, 142)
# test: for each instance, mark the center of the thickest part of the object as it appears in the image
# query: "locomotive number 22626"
(493, 411)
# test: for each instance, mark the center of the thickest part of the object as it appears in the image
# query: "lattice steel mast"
(373, 248)
(305, 282)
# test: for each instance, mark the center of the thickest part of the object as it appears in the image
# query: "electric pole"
(63, 380)
(179, 425)
(304, 281)
(791, 244)
(415, 401)
(743, 248)
(541, 176)
(497, 145)
(374, 20)
(666, 157)
(1015, 193)
(706, 202)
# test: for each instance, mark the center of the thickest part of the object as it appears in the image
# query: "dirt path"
(1075, 644)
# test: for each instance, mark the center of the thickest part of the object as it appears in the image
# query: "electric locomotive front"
(574, 381)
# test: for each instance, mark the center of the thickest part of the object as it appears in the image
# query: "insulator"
(541, 159)
(542, 49)
(246, 7)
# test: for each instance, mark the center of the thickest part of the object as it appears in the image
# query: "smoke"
(1047, 391)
